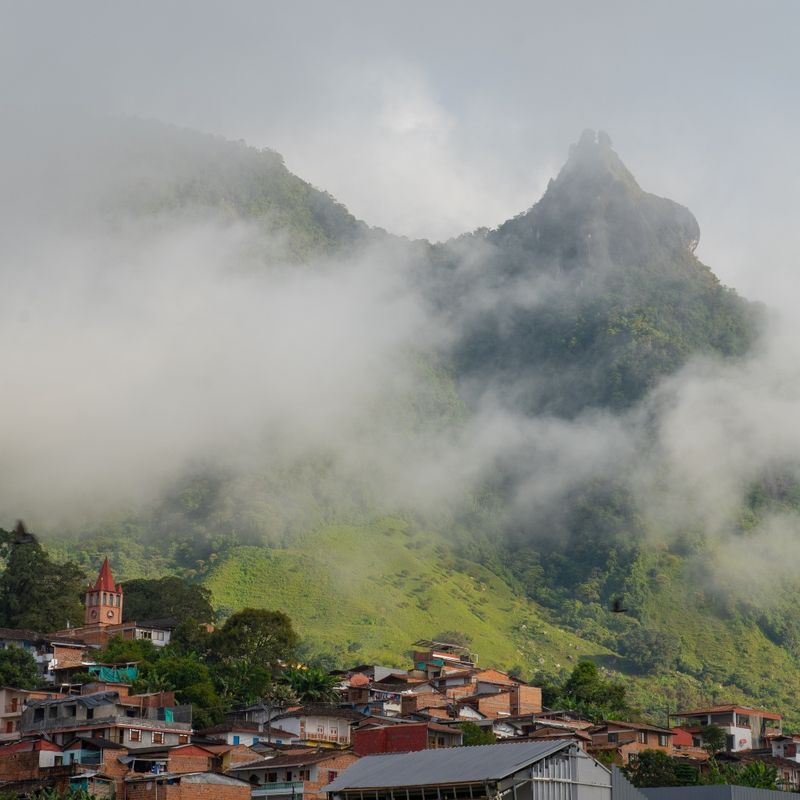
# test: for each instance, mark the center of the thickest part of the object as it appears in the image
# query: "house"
(50, 652)
(685, 745)
(745, 728)
(511, 701)
(12, 701)
(513, 770)
(248, 733)
(625, 739)
(27, 757)
(786, 746)
(158, 631)
(295, 775)
(132, 720)
(430, 657)
(327, 726)
(402, 735)
(185, 786)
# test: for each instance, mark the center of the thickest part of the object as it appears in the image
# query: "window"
(52, 712)
(157, 737)
(183, 738)
(333, 774)
(642, 737)
(305, 774)
(38, 714)
(236, 740)
(136, 735)
(663, 739)
(272, 777)
(89, 713)
(613, 738)
(71, 711)
(9, 727)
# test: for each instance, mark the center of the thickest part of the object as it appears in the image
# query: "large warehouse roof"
(488, 762)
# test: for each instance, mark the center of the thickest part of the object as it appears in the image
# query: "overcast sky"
(434, 118)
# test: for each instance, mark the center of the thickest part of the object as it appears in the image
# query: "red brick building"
(403, 737)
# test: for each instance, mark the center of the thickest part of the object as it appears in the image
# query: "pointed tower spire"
(105, 580)
(104, 599)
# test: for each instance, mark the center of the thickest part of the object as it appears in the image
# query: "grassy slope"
(366, 593)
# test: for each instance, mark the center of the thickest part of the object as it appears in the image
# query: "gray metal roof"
(89, 700)
(446, 765)
(717, 792)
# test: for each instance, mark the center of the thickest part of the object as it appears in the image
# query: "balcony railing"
(291, 788)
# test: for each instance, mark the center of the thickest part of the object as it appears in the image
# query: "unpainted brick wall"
(19, 766)
(311, 789)
(187, 791)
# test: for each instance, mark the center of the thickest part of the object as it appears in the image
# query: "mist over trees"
(248, 364)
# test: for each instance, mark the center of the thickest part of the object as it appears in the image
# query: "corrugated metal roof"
(718, 792)
(447, 765)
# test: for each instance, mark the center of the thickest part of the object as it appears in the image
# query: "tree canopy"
(170, 596)
(37, 593)
(18, 669)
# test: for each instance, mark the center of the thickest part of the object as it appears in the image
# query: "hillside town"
(427, 727)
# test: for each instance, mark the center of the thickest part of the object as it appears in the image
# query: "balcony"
(286, 789)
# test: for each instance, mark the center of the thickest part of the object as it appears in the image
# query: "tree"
(254, 636)
(650, 651)
(655, 768)
(474, 734)
(18, 669)
(191, 680)
(713, 738)
(37, 593)
(312, 685)
(756, 774)
(190, 637)
(166, 597)
(126, 651)
(588, 692)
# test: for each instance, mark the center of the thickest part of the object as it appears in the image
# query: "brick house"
(625, 739)
(295, 775)
(132, 720)
(512, 701)
(370, 738)
(185, 786)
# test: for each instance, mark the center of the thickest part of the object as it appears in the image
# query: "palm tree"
(312, 685)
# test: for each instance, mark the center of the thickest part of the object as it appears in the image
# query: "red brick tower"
(104, 599)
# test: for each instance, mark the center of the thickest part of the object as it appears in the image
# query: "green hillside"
(577, 307)
(364, 594)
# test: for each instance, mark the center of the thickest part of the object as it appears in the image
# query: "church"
(102, 617)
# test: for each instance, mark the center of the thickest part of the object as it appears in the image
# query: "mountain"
(599, 294)
(564, 319)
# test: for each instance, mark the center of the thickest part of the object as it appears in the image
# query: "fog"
(431, 121)
(137, 348)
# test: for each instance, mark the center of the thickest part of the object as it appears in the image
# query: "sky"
(430, 119)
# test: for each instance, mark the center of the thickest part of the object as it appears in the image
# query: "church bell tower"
(104, 599)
